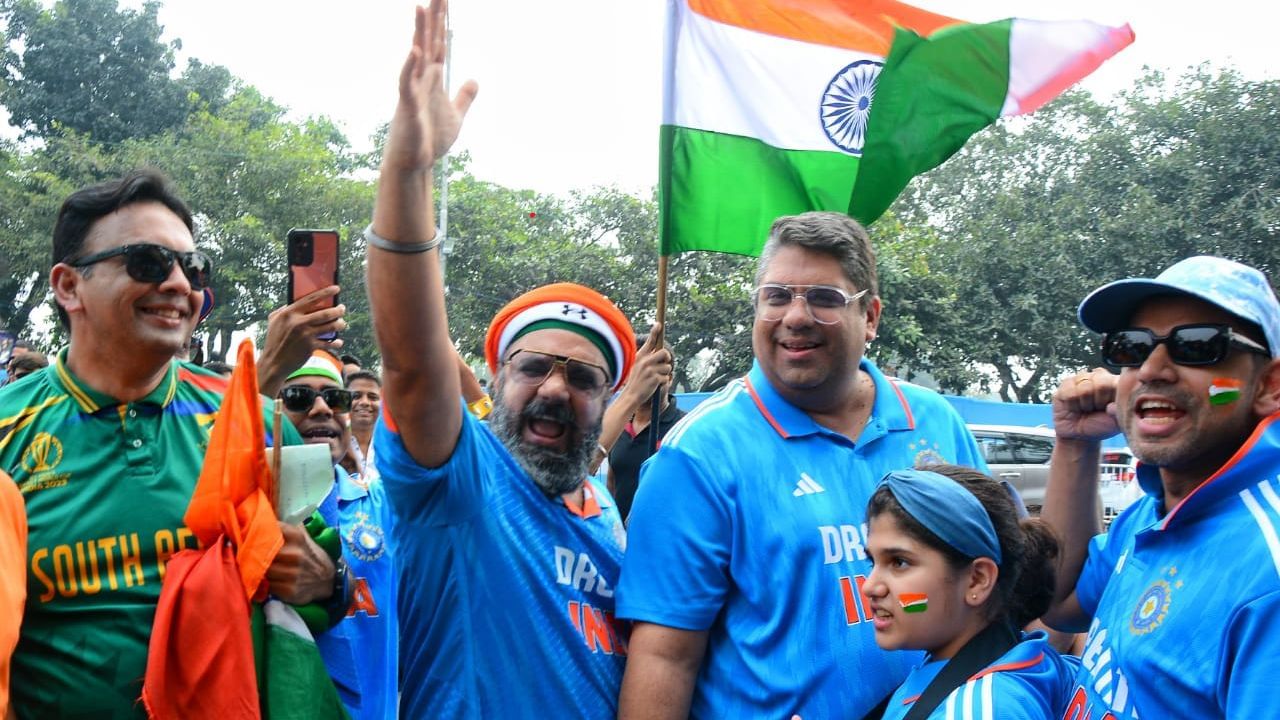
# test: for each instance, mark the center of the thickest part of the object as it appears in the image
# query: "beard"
(554, 472)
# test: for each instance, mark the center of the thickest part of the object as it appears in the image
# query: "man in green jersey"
(105, 446)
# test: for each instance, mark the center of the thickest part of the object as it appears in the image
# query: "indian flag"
(775, 107)
(914, 602)
(1223, 391)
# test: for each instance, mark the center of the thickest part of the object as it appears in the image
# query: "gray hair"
(829, 233)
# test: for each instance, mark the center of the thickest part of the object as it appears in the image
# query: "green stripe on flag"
(722, 192)
(931, 96)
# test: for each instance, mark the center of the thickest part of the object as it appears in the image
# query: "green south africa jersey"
(106, 485)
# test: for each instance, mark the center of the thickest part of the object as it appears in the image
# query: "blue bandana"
(947, 509)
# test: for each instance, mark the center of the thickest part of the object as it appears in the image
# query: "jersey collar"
(890, 411)
(91, 401)
(593, 502)
(1254, 461)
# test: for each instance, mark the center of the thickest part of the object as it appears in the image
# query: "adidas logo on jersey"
(807, 486)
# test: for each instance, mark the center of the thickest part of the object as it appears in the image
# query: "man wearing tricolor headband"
(1180, 596)
(508, 555)
(746, 549)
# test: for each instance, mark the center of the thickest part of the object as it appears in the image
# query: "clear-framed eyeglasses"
(826, 303)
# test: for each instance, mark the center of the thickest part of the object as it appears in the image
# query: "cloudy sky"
(570, 89)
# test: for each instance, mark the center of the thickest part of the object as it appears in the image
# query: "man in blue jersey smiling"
(508, 555)
(746, 589)
(1180, 596)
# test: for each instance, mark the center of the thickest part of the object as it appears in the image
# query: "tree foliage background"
(982, 262)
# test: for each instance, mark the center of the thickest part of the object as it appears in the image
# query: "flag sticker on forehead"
(570, 307)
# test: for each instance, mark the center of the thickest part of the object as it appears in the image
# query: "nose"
(1158, 366)
(176, 281)
(798, 313)
(556, 384)
(320, 408)
(874, 587)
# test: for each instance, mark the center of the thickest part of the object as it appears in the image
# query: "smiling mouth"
(1159, 412)
(319, 435)
(166, 313)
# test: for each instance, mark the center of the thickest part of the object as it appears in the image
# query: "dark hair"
(829, 233)
(24, 344)
(1024, 587)
(351, 360)
(86, 206)
(364, 375)
(219, 367)
(29, 362)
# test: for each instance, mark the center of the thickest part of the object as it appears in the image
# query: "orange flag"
(233, 496)
(200, 661)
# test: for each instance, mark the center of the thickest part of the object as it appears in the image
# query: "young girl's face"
(917, 599)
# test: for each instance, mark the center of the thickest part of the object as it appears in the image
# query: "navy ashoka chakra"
(846, 105)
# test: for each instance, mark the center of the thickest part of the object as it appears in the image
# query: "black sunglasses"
(300, 398)
(150, 263)
(1198, 344)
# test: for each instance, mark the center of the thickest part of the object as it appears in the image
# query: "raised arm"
(406, 290)
(1082, 417)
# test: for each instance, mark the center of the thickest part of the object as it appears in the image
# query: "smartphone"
(313, 264)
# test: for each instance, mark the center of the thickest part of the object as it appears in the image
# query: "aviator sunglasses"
(1198, 344)
(300, 398)
(149, 263)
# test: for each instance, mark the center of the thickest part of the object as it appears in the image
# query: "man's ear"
(65, 283)
(873, 317)
(1266, 401)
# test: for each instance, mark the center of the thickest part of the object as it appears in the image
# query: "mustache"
(541, 409)
(1175, 395)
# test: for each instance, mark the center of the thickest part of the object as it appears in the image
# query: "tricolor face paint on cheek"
(913, 602)
(1224, 391)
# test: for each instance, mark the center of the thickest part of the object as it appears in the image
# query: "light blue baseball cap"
(1237, 289)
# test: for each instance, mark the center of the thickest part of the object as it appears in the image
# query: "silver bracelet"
(382, 243)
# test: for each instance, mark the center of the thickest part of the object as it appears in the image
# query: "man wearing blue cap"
(1179, 596)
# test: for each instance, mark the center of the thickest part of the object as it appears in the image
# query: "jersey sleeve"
(676, 569)
(1099, 566)
(1250, 662)
(451, 493)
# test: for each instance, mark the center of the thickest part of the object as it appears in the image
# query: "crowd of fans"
(816, 540)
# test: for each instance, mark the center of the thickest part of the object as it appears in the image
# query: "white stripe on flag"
(1040, 50)
(742, 82)
(1264, 522)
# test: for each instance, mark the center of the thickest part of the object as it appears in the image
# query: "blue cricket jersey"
(361, 651)
(750, 523)
(1029, 682)
(1184, 605)
(506, 595)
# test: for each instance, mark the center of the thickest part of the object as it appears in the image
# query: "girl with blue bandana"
(957, 574)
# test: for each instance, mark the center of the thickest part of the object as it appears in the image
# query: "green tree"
(89, 66)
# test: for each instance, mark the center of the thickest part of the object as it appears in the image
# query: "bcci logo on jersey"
(39, 460)
(1153, 605)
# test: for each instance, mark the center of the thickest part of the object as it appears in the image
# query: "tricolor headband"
(321, 364)
(571, 307)
(947, 509)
